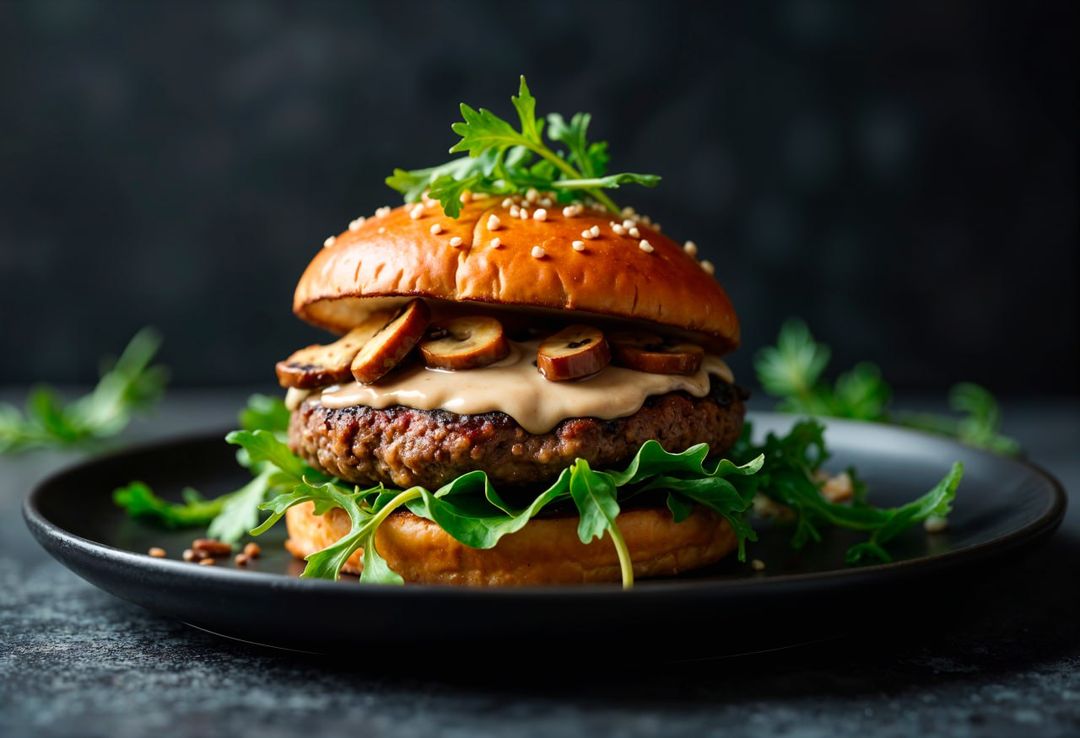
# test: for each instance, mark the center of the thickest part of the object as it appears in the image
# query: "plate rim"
(1037, 529)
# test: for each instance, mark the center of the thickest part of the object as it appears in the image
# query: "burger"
(528, 388)
(514, 339)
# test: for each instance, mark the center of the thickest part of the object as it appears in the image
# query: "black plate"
(1003, 504)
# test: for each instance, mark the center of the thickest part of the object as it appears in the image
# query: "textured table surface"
(1004, 659)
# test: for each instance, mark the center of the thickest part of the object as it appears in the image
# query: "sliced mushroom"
(574, 352)
(390, 345)
(465, 343)
(318, 366)
(647, 352)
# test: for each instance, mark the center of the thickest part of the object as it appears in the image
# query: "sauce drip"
(514, 386)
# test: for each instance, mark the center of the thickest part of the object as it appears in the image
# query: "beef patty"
(399, 446)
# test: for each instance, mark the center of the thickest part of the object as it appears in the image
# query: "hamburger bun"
(393, 257)
(546, 551)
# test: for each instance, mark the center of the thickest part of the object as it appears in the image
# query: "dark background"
(901, 175)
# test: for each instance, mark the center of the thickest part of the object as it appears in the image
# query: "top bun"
(393, 257)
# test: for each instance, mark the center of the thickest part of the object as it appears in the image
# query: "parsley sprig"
(793, 370)
(127, 386)
(504, 160)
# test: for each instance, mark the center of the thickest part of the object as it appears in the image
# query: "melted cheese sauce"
(514, 386)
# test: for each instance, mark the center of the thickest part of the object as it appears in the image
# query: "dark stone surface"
(1002, 657)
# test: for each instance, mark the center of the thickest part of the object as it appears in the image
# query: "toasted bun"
(394, 257)
(546, 551)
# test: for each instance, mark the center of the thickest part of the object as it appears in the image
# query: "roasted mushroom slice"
(318, 366)
(647, 352)
(465, 343)
(390, 345)
(573, 352)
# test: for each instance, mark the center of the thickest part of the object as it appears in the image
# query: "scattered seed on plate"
(757, 565)
(157, 552)
(242, 559)
(252, 550)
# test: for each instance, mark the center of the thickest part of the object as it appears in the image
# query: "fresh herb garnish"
(472, 512)
(790, 478)
(784, 468)
(504, 160)
(792, 372)
(229, 516)
(127, 386)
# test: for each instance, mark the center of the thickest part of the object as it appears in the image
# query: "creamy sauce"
(514, 386)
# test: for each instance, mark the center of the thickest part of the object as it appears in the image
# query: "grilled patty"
(400, 446)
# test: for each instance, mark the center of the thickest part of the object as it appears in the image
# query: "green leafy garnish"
(471, 511)
(792, 372)
(127, 386)
(231, 515)
(789, 477)
(784, 468)
(506, 160)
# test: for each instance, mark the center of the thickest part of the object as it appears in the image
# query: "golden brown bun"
(546, 551)
(394, 256)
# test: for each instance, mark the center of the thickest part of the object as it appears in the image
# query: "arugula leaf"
(263, 412)
(594, 493)
(231, 515)
(127, 386)
(141, 502)
(792, 372)
(503, 160)
(788, 477)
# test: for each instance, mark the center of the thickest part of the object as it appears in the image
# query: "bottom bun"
(546, 551)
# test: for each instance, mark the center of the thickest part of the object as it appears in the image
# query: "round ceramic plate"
(1002, 506)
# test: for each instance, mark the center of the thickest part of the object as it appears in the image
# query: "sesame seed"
(627, 212)
(690, 247)
(157, 552)
(578, 245)
(354, 225)
(656, 227)
(757, 565)
(532, 195)
(189, 555)
(634, 232)
(435, 229)
(382, 230)
(252, 549)
(507, 202)
(646, 246)
(540, 214)
(628, 223)
(538, 252)
(590, 233)
(242, 559)
(515, 211)
(646, 220)
(545, 202)
(455, 241)
(496, 243)
(523, 213)
(708, 266)
(465, 197)
(569, 211)
(329, 241)
(383, 211)
(493, 222)
(618, 229)
(935, 524)
(417, 212)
